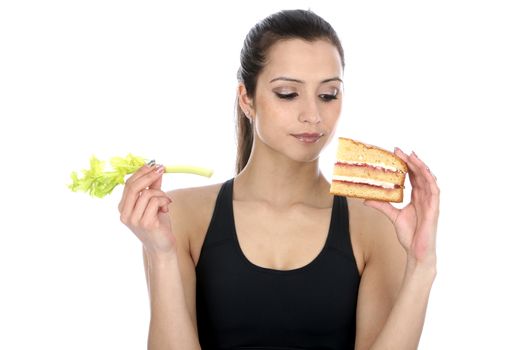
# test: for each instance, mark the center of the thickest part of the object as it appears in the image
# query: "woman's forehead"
(303, 60)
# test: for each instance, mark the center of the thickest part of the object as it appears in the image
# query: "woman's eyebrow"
(302, 82)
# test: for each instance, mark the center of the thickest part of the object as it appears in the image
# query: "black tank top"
(244, 306)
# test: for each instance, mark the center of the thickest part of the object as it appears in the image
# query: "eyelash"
(327, 97)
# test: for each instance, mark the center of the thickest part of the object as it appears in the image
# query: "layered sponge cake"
(369, 172)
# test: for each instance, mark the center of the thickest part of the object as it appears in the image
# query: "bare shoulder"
(371, 230)
(194, 197)
(190, 213)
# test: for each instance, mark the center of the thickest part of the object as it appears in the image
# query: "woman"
(270, 258)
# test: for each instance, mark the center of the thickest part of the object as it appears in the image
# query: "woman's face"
(298, 98)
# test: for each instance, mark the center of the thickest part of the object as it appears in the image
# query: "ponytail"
(244, 139)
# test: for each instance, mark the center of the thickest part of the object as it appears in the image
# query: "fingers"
(423, 175)
(424, 184)
(134, 187)
(412, 168)
(431, 178)
(385, 207)
(158, 182)
(398, 152)
(427, 178)
(432, 187)
(148, 206)
(150, 216)
(145, 169)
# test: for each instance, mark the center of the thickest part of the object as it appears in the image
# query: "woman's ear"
(245, 101)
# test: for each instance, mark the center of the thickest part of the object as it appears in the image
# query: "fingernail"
(159, 169)
(415, 155)
(399, 150)
(430, 171)
(151, 163)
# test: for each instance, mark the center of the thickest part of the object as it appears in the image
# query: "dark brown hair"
(287, 24)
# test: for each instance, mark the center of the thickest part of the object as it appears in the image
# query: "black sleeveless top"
(244, 306)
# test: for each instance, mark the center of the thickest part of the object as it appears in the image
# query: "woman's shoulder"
(190, 212)
(190, 196)
(368, 218)
(369, 227)
(191, 203)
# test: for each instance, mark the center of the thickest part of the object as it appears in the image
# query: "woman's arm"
(401, 266)
(171, 325)
(393, 295)
(404, 325)
(171, 285)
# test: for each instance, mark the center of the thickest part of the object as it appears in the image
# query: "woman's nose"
(310, 113)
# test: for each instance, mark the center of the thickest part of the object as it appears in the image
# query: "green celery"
(99, 182)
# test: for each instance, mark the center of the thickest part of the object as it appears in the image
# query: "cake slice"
(369, 172)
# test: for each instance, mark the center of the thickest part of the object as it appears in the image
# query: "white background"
(79, 78)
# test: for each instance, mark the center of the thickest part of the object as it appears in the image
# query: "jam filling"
(364, 165)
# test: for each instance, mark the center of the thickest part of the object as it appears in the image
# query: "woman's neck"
(282, 181)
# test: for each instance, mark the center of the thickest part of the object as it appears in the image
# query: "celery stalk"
(99, 182)
(188, 169)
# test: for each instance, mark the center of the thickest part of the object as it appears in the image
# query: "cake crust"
(350, 149)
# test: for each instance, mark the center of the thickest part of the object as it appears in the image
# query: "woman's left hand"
(416, 223)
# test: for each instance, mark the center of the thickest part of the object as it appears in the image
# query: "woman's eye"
(327, 97)
(324, 97)
(286, 96)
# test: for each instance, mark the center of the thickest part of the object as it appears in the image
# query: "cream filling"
(361, 180)
(378, 165)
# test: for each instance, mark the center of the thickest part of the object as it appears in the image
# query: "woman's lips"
(308, 137)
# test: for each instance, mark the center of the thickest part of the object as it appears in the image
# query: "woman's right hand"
(144, 209)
